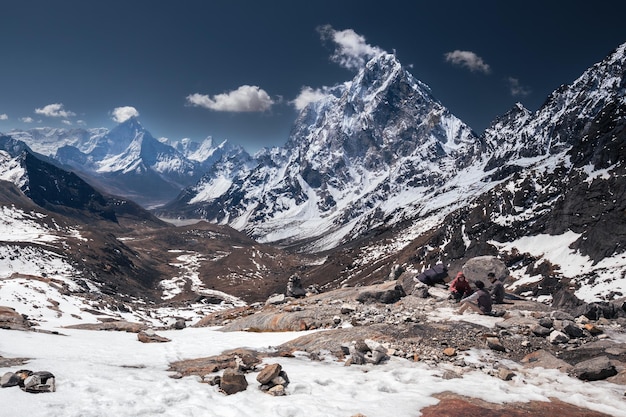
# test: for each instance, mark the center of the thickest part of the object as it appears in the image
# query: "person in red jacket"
(460, 287)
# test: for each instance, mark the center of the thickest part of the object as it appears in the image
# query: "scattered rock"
(540, 330)
(12, 320)
(572, 330)
(594, 369)
(556, 337)
(494, 343)
(544, 359)
(273, 380)
(593, 329)
(294, 287)
(34, 382)
(41, 381)
(233, 381)
(387, 293)
(268, 373)
(149, 336)
(505, 374)
(449, 351)
(347, 309)
(277, 390)
(276, 299)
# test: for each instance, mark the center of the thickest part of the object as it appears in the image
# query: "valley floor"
(111, 373)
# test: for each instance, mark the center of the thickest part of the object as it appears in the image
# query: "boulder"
(540, 330)
(276, 299)
(565, 299)
(545, 359)
(149, 336)
(494, 343)
(9, 379)
(477, 268)
(294, 287)
(12, 320)
(572, 330)
(594, 369)
(556, 337)
(41, 381)
(268, 373)
(383, 293)
(233, 381)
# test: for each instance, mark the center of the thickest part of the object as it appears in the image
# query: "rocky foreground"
(369, 324)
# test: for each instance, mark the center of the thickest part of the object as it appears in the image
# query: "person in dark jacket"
(497, 289)
(480, 301)
(460, 287)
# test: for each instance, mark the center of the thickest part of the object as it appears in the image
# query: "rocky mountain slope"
(374, 149)
(57, 229)
(379, 173)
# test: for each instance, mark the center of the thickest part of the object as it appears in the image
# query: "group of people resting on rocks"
(480, 300)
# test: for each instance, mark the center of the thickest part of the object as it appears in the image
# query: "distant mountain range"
(128, 161)
(381, 173)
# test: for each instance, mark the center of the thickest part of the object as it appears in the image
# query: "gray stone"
(387, 293)
(561, 315)
(41, 381)
(545, 359)
(276, 299)
(594, 369)
(294, 287)
(545, 322)
(9, 379)
(540, 330)
(477, 268)
(557, 337)
(572, 330)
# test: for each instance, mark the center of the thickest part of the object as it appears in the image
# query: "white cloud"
(467, 59)
(351, 50)
(27, 120)
(121, 114)
(247, 98)
(4, 116)
(66, 122)
(516, 88)
(307, 95)
(55, 110)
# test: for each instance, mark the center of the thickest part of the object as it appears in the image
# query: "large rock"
(387, 293)
(149, 336)
(233, 381)
(12, 320)
(294, 287)
(594, 369)
(268, 373)
(545, 359)
(477, 269)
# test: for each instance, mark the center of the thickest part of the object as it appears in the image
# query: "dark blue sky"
(190, 67)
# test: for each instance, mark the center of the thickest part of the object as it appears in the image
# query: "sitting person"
(497, 290)
(459, 287)
(480, 301)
